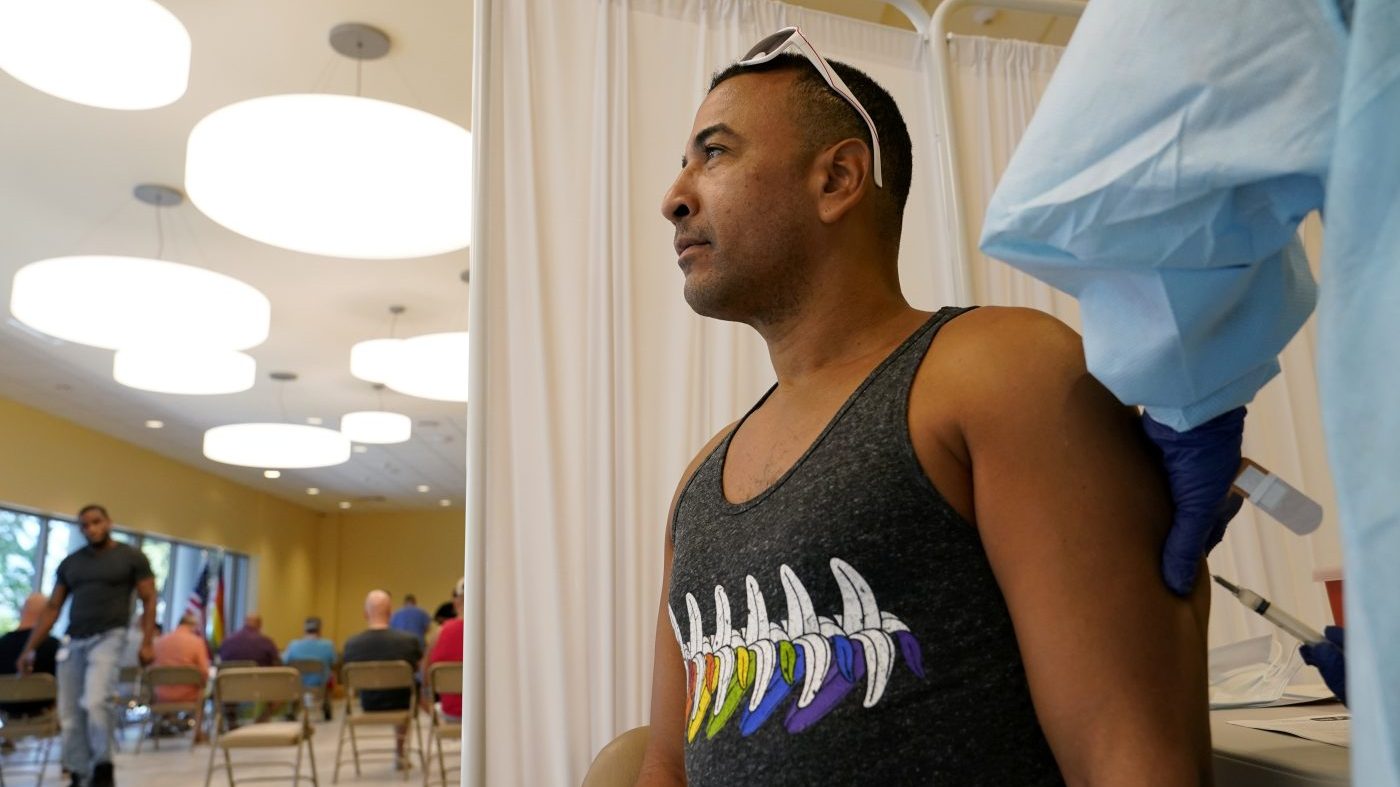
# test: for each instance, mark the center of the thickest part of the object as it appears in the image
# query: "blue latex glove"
(1327, 657)
(1201, 466)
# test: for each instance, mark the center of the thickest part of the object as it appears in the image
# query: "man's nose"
(679, 201)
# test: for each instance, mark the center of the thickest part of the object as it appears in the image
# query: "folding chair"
(159, 710)
(126, 699)
(38, 687)
(378, 676)
(260, 684)
(444, 678)
(316, 696)
(620, 762)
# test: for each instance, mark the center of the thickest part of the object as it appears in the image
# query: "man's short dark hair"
(93, 507)
(410, 599)
(826, 118)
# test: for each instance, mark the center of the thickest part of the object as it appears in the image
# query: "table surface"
(1247, 757)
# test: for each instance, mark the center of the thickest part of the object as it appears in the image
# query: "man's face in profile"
(740, 205)
(95, 526)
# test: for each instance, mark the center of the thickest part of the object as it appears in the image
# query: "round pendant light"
(432, 366)
(116, 302)
(114, 54)
(376, 426)
(184, 370)
(286, 446)
(373, 360)
(335, 175)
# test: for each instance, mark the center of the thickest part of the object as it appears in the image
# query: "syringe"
(1271, 613)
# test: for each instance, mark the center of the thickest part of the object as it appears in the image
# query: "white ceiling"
(66, 175)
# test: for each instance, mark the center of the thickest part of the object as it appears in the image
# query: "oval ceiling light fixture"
(376, 426)
(113, 54)
(115, 302)
(335, 175)
(184, 370)
(288, 446)
(373, 360)
(432, 366)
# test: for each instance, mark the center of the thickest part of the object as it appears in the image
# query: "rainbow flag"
(216, 636)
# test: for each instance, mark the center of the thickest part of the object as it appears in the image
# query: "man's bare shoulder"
(1000, 356)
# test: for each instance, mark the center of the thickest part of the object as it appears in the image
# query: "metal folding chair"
(377, 676)
(38, 687)
(316, 696)
(260, 684)
(161, 710)
(444, 678)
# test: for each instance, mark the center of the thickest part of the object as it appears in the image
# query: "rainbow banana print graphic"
(810, 661)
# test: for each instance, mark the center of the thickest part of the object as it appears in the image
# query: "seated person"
(411, 618)
(45, 658)
(314, 647)
(250, 644)
(930, 554)
(448, 648)
(380, 643)
(183, 647)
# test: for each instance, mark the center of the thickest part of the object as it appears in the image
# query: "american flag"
(198, 604)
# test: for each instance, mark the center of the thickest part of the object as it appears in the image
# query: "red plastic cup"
(1331, 578)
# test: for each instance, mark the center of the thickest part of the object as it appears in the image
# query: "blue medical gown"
(1161, 182)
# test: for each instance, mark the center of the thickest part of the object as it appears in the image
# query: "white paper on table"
(1253, 673)
(1333, 728)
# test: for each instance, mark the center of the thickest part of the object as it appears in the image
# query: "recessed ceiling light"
(423, 487)
(360, 449)
(154, 424)
(314, 420)
(272, 474)
(444, 502)
(345, 504)
(311, 490)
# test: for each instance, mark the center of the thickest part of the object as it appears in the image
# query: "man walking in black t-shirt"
(101, 578)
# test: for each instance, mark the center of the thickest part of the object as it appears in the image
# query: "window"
(32, 546)
(19, 539)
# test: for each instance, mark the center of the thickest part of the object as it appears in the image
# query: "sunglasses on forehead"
(791, 37)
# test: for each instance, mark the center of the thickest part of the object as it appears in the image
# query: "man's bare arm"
(146, 589)
(664, 762)
(1072, 510)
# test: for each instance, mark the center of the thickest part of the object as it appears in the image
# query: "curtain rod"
(947, 129)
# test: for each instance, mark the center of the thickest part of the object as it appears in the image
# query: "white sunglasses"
(774, 45)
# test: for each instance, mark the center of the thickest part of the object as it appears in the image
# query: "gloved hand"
(1201, 465)
(1327, 657)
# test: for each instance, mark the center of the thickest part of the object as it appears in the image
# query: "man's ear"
(842, 171)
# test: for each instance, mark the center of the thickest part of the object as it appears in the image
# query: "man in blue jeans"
(101, 577)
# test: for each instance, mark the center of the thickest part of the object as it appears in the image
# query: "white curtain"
(996, 86)
(601, 384)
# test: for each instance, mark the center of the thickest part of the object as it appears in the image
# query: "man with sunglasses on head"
(929, 554)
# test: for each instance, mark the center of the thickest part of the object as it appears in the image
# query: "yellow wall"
(418, 552)
(61, 466)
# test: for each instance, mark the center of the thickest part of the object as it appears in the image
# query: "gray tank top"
(844, 626)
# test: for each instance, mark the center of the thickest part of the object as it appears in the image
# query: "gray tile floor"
(176, 765)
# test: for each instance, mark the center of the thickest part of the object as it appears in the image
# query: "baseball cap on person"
(312, 624)
(461, 589)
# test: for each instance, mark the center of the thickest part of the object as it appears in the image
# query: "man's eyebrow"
(704, 136)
